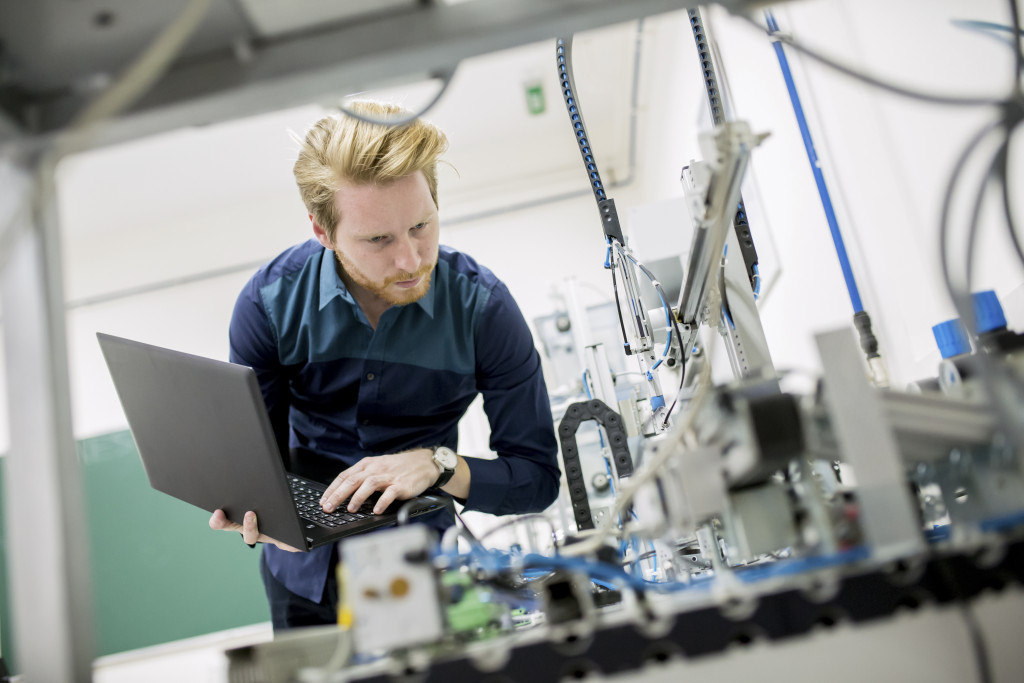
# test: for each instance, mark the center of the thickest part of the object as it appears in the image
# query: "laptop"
(204, 436)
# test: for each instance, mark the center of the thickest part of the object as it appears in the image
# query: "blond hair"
(339, 149)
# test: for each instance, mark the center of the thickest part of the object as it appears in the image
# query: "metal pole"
(46, 536)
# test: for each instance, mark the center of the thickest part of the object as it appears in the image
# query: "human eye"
(420, 225)
(377, 239)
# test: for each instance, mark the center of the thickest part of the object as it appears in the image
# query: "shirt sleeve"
(253, 343)
(525, 475)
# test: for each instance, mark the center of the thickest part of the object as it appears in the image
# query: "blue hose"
(819, 178)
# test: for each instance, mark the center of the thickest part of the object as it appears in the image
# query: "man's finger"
(345, 483)
(220, 522)
(341, 494)
(250, 531)
(387, 498)
(338, 481)
(369, 487)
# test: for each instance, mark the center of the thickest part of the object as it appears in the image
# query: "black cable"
(1018, 54)
(991, 173)
(998, 169)
(947, 201)
(672, 319)
(871, 80)
(1000, 386)
(997, 384)
(682, 370)
(978, 645)
(446, 80)
(640, 558)
(520, 518)
(1011, 224)
(465, 527)
(407, 506)
(682, 380)
(674, 329)
(619, 251)
(618, 305)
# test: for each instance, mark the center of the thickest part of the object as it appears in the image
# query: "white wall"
(887, 160)
(220, 199)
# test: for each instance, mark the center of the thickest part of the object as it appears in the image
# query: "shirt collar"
(331, 285)
(426, 302)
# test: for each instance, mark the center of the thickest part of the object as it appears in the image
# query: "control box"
(390, 588)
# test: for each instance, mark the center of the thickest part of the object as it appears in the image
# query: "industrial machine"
(698, 514)
(702, 514)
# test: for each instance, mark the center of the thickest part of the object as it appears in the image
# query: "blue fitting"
(951, 338)
(657, 402)
(988, 313)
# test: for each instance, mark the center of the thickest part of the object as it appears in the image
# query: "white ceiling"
(501, 154)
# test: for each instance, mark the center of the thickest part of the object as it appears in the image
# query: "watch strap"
(445, 476)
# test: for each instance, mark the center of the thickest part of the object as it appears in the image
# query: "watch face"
(446, 457)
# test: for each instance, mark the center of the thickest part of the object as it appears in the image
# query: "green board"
(158, 572)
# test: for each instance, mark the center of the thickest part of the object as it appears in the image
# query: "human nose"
(407, 256)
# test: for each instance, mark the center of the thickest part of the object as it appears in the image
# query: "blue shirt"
(337, 390)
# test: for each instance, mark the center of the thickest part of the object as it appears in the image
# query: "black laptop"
(204, 436)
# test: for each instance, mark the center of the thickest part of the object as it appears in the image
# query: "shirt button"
(370, 376)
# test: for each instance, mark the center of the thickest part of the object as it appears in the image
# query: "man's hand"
(249, 529)
(399, 476)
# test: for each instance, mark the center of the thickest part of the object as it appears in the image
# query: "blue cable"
(819, 178)
(987, 27)
(609, 573)
(727, 318)
(1002, 522)
(623, 547)
(599, 572)
(798, 565)
(725, 313)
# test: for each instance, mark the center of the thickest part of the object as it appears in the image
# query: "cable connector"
(868, 342)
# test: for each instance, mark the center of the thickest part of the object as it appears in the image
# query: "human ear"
(321, 234)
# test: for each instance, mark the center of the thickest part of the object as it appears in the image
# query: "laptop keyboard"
(307, 501)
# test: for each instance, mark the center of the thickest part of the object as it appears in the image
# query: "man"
(371, 341)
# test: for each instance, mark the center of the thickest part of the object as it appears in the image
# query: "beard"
(383, 289)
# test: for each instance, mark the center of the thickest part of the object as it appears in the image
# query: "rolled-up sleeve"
(525, 475)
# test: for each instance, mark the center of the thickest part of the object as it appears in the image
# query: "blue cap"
(951, 338)
(987, 312)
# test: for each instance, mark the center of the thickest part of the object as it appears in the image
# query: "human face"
(386, 241)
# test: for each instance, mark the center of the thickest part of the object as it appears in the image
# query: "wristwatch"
(446, 460)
